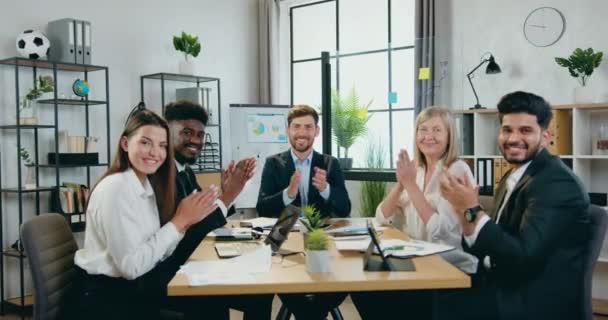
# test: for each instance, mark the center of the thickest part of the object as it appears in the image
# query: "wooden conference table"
(288, 274)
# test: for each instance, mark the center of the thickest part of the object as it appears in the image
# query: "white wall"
(473, 27)
(133, 38)
(469, 28)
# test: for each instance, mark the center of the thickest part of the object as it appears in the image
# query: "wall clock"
(544, 26)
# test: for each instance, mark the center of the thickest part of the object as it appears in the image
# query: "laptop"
(277, 236)
(383, 263)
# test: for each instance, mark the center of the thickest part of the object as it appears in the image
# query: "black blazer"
(537, 249)
(275, 178)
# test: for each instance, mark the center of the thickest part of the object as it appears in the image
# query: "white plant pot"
(186, 67)
(584, 95)
(317, 261)
(27, 113)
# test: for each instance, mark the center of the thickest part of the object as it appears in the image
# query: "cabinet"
(83, 117)
(208, 95)
(579, 137)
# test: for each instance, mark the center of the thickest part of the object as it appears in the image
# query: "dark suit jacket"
(275, 178)
(537, 249)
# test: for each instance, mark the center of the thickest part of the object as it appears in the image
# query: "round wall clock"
(544, 26)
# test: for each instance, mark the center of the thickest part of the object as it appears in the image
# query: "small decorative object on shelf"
(33, 44)
(317, 255)
(30, 174)
(581, 65)
(349, 120)
(27, 109)
(80, 88)
(190, 46)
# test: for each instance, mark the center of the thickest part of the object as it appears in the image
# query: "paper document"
(231, 232)
(241, 269)
(262, 222)
(396, 247)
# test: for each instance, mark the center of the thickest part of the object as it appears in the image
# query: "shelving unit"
(574, 127)
(50, 140)
(210, 159)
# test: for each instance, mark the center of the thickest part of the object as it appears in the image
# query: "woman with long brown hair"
(132, 222)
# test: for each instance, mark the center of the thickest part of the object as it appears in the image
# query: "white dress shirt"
(512, 181)
(443, 226)
(123, 237)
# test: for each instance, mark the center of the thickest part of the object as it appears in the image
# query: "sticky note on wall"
(424, 73)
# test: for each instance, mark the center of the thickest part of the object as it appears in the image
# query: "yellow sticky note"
(424, 73)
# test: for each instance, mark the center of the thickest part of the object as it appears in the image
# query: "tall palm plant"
(348, 118)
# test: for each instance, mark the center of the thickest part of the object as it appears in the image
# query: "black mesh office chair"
(599, 224)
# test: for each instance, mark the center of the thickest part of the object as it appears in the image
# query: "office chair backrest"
(50, 246)
(599, 223)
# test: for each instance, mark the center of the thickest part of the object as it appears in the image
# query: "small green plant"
(45, 84)
(188, 44)
(348, 118)
(312, 219)
(317, 240)
(25, 157)
(581, 64)
(373, 192)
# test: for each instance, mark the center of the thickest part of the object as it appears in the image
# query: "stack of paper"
(241, 269)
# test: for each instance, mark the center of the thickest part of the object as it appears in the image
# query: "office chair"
(285, 314)
(599, 224)
(50, 246)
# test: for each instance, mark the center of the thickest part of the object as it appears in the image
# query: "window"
(371, 44)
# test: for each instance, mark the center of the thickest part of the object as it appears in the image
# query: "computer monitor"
(280, 230)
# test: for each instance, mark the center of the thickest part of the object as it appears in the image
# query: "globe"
(80, 88)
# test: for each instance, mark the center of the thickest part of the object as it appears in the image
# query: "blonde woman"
(416, 196)
(427, 215)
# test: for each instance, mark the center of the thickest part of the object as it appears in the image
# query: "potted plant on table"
(190, 46)
(581, 65)
(317, 254)
(315, 240)
(349, 121)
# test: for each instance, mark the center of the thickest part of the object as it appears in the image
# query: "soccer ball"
(33, 44)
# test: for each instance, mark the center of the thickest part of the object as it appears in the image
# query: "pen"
(395, 248)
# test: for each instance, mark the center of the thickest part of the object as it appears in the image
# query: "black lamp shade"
(492, 66)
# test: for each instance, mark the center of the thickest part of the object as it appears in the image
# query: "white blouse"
(123, 237)
(443, 226)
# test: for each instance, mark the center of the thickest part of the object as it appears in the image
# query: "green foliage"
(312, 219)
(188, 44)
(348, 118)
(45, 84)
(25, 157)
(581, 63)
(317, 240)
(373, 192)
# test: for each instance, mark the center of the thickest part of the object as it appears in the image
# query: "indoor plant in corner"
(581, 65)
(27, 109)
(348, 121)
(190, 46)
(317, 254)
(30, 170)
(373, 192)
